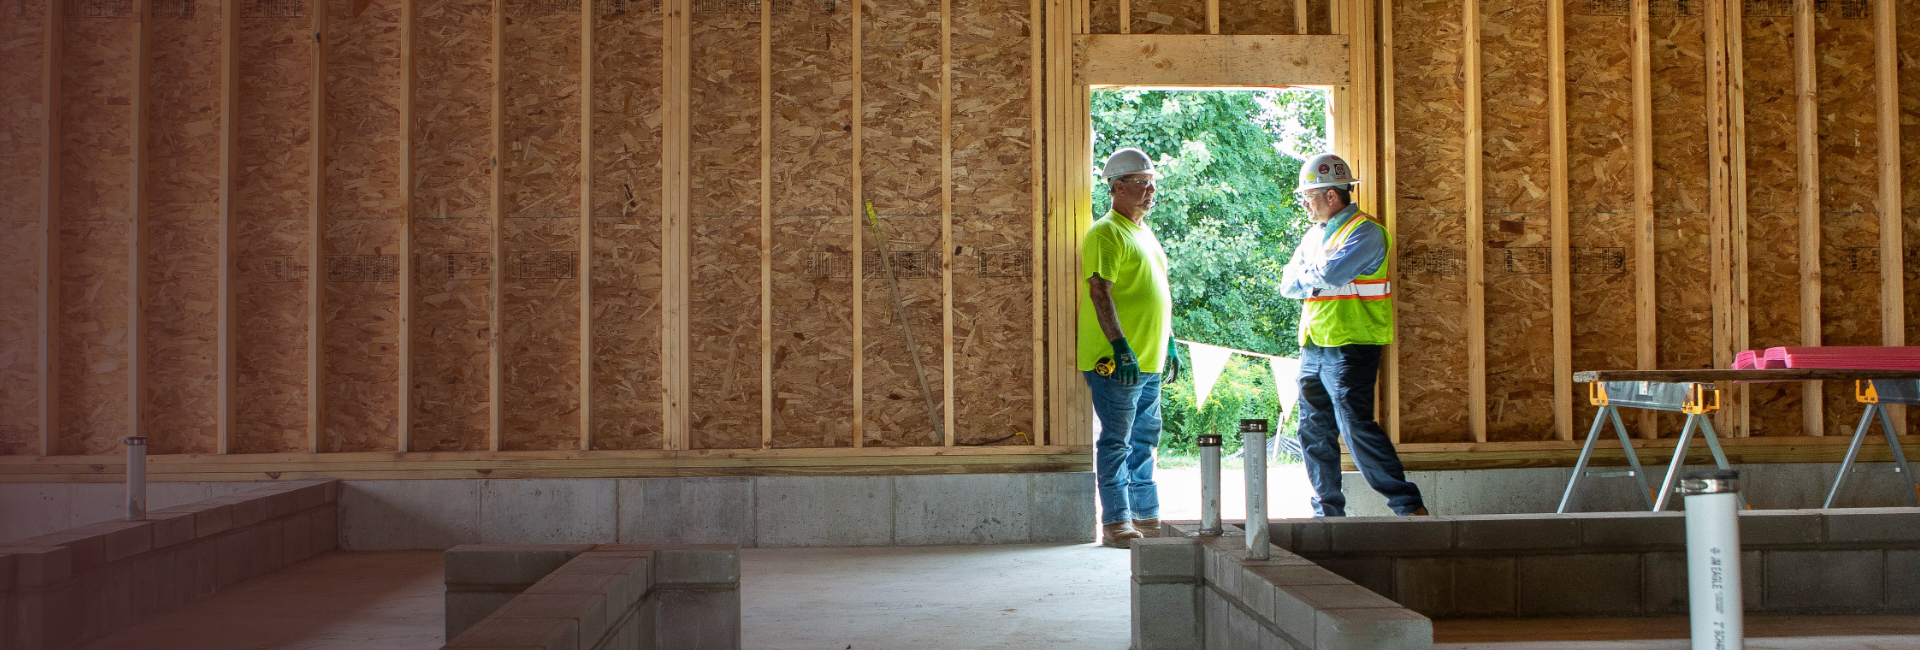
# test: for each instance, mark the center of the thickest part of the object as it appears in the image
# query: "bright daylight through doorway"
(1226, 215)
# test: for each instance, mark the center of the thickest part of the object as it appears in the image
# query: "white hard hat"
(1127, 161)
(1325, 170)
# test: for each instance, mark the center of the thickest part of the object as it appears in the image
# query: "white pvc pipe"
(136, 478)
(1209, 485)
(1254, 450)
(1713, 560)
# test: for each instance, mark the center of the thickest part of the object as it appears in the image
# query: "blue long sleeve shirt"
(1361, 253)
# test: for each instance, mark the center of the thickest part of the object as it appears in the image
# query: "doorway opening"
(1226, 215)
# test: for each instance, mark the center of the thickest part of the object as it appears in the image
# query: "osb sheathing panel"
(540, 295)
(900, 69)
(1773, 217)
(1319, 17)
(813, 226)
(993, 148)
(626, 222)
(1168, 17)
(1519, 270)
(1256, 17)
(183, 234)
(1430, 141)
(1103, 17)
(95, 224)
(273, 152)
(1682, 260)
(22, 145)
(725, 248)
(365, 207)
(453, 229)
(1849, 193)
(1600, 216)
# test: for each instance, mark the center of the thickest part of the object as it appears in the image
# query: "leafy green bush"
(1245, 390)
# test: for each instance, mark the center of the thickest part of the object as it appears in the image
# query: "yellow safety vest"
(1360, 311)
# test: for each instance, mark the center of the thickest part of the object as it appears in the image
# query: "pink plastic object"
(1845, 357)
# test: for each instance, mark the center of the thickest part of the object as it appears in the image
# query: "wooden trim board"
(1214, 61)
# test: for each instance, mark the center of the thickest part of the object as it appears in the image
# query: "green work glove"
(1126, 366)
(1174, 362)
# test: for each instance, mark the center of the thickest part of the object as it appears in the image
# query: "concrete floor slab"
(390, 600)
(1031, 597)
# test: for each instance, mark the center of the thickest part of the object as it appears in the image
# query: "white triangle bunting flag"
(1207, 361)
(1286, 381)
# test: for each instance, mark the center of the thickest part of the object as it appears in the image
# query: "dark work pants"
(1336, 402)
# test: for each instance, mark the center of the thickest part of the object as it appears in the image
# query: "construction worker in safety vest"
(1340, 272)
(1126, 348)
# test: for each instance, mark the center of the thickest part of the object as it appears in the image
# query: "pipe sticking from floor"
(136, 478)
(1713, 559)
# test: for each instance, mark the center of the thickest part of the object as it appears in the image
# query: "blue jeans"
(1123, 456)
(1336, 401)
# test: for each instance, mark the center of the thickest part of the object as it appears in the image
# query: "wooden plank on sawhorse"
(1694, 399)
(1876, 394)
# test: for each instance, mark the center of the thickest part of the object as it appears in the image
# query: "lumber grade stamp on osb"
(363, 230)
(1518, 258)
(1773, 222)
(1685, 312)
(626, 221)
(1849, 220)
(901, 168)
(1431, 235)
(1256, 16)
(1599, 191)
(813, 227)
(453, 231)
(182, 203)
(540, 298)
(725, 246)
(993, 267)
(95, 228)
(23, 114)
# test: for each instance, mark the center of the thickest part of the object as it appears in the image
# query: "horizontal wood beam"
(558, 464)
(1211, 61)
(1563, 453)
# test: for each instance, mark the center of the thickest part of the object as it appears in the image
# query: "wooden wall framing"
(333, 226)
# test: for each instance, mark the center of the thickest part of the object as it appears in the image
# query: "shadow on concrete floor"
(948, 597)
(391, 600)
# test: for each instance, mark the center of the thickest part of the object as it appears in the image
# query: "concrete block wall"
(606, 597)
(766, 511)
(1781, 486)
(1204, 594)
(63, 588)
(35, 509)
(1841, 561)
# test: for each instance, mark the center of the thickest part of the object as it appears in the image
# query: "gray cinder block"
(465, 608)
(1166, 559)
(1633, 529)
(1364, 534)
(708, 564)
(1372, 629)
(1375, 573)
(1825, 581)
(698, 619)
(521, 634)
(961, 509)
(686, 511)
(507, 564)
(1498, 532)
(1608, 584)
(1903, 581)
(1766, 527)
(1166, 616)
(1667, 589)
(1485, 586)
(1873, 525)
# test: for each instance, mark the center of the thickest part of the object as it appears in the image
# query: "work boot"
(1119, 535)
(1147, 527)
(1422, 512)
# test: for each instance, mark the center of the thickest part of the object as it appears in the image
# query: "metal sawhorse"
(1694, 399)
(1876, 394)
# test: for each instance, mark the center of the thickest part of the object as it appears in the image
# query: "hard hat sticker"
(1323, 168)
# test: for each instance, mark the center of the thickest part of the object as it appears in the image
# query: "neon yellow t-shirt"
(1130, 256)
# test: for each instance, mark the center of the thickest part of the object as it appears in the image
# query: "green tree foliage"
(1227, 217)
